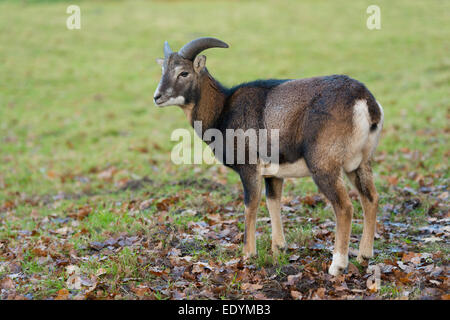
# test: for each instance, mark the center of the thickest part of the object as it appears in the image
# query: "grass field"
(92, 207)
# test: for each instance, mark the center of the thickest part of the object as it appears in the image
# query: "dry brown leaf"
(443, 196)
(34, 214)
(296, 295)
(412, 257)
(291, 279)
(141, 291)
(319, 294)
(251, 286)
(40, 252)
(353, 269)
(199, 267)
(432, 239)
(156, 271)
(63, 294)
(146, 204)
(100, 272)
(260, 296)
(107, 174)
(392, 180)
(63, 231)
(83, 212)
(7, 283)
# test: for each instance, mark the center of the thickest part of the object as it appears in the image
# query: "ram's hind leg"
(362, 179)
(252, 184)
(333, 187)
(274, 187)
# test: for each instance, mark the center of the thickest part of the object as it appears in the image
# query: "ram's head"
(179, 84)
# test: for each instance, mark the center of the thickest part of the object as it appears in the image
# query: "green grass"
(76, 103)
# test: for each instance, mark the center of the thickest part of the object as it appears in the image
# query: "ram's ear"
(160, 61)
(199, 63)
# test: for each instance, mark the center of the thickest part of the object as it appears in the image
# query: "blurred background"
(75, 101)
(85, 154)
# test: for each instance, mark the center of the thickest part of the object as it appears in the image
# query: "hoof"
(339, 264)
(362, 258)
(364, 254)
(335, 270)
(248, 254)
(278, 248)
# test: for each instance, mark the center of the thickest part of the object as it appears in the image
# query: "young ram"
(327, 126)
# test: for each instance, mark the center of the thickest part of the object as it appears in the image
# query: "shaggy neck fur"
(210, 104)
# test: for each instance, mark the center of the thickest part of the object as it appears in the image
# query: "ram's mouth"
(162, 102)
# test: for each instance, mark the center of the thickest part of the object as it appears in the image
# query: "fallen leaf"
(62, 294)
(291, 279)
(83, 212)
(107, 174)
(34, 214)
(319, 294)
(39, 252)
(412, 257)
(146, 204)
(296, 295)
(96, 245)
(199, 267)
(156, 271)
(63, 231)
(7, 283)
(100, 272)
(392, 180)
(443, 196)
(251, 286)
(432, 239)
(353, 269)
(141, 291)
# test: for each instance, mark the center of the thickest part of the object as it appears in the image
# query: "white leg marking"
(340, 262)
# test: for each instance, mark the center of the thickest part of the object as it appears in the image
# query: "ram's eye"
(183, 74)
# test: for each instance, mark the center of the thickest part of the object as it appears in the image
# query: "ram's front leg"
(252, 197)
(274, 187)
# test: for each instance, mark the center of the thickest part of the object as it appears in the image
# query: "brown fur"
(274, 187)
(315, 118)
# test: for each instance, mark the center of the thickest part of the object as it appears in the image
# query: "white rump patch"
(358, 141)
(382, 114)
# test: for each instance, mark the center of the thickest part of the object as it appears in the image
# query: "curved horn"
(193, 48)
(167, 50)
